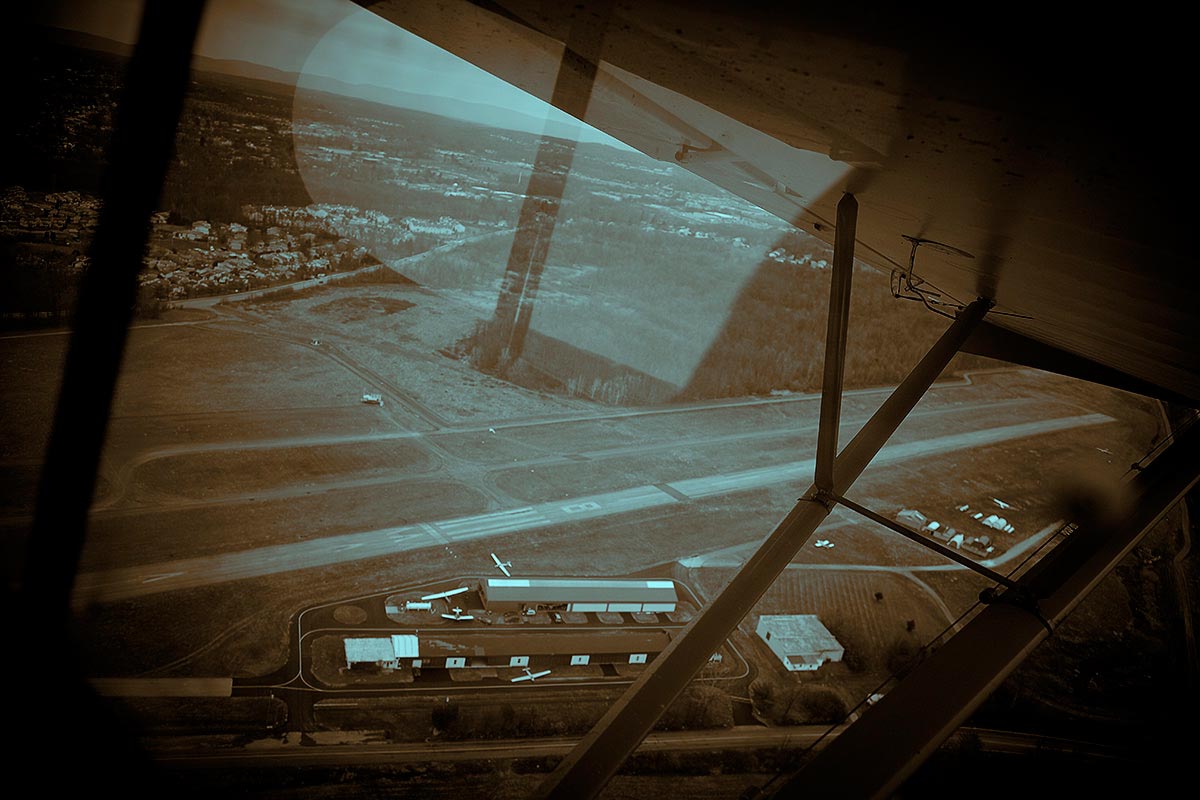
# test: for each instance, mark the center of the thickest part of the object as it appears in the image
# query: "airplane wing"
(1013, 184)
(450, 593)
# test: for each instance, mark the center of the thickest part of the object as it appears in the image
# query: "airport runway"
(125, 583)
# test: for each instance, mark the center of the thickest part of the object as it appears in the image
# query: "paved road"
(146, 579)
(742, 737)
(163, 687)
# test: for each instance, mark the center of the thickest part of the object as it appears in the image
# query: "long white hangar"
(579, 594)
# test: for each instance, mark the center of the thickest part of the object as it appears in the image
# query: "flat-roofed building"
(542, 648)
(800, 641)
(386, 651)
(579, 594)
(461, 649)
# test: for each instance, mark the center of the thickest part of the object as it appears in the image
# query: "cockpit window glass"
(437, 397)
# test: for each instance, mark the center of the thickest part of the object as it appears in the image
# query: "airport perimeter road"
(742, 737)
(272, 753)
(146, 579)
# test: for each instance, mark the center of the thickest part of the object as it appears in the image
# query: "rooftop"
(608, 583)
(543, 642)
(367, 650)
(797, 635)
(360, 650)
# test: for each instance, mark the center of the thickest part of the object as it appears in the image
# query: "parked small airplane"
(824, 543)
(531, 676)
(1001, 503)
(502, 565)
(457, 615)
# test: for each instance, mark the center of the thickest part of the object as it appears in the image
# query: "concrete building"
(579, 594)
(800, 641)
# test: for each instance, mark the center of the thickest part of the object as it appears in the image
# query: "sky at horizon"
(339, 40)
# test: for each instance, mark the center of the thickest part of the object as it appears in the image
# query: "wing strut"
(587, 769)
(835, 341)
(917, 538)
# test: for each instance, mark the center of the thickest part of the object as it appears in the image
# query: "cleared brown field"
(408, 347)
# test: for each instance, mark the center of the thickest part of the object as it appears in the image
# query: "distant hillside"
(87, 41)
(481, 113)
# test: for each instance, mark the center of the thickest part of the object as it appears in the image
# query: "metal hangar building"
(579, 594)
(466, 649)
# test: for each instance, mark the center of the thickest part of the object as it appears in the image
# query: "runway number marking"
(576, 508)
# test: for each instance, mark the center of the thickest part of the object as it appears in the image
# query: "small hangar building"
(475, 648)
(389, 652)
(579, 594)
(800, 641)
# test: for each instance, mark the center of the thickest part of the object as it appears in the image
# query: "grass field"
(166, 534)
(242, 472)
(129, 435)
(406, 347)
(254, 716)
(846, 604)
(650, 776)
(170, 377)
(198, 369)
(30, 369)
